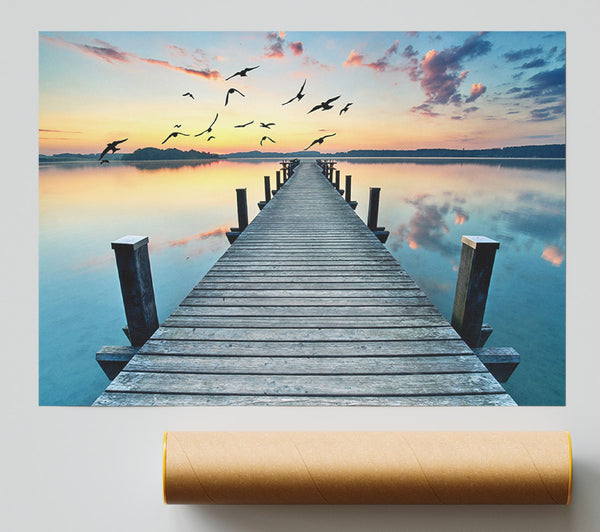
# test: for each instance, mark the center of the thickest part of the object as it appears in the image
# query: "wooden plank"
(193, 300)
(345, 286)
(306, 366)
(316, 312)
(301, 385)
(305, 293)
(302, 322)
(195, 346)
(165, 399)
(305, 335)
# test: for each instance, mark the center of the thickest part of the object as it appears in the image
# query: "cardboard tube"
(367, 468)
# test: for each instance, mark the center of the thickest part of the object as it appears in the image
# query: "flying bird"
(242, 73)
(246, 124)
(174, 135)
(177, 125)
(347, 106)
(267, 138)
(231, 91)
(268, 126)
(319, 140)
(210, 138)
(298, 96)
(104, 161)
(324, 105)
(209, 129)
(189, 94)
(111, 146)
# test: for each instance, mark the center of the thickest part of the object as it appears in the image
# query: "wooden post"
(133, 265)
(348, 191)
(242, 208)
(278, 176)
(474, 275)
(373, 208)
(261, 204)
(348, 188)
(337, 180)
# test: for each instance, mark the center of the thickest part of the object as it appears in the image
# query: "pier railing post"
(133, 265)
(348, 191)
(472, 285)
(242, 212)
(278, 177)
(261, 204)
(373, 212)
(242, 208)
(337, 180)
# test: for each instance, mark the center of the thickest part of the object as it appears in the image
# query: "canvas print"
(302, 218)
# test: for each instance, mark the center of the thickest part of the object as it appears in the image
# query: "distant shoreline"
(544, 151)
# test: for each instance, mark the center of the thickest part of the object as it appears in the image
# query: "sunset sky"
(408, 89)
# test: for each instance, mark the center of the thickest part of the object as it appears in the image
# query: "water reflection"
(186, 208)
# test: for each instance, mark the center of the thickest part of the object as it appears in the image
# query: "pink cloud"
(441, 72)
(111, 54)
(354, 59)
(381, 64)
(275, 46)
(296, 47)
(207, 74)
(477, 89)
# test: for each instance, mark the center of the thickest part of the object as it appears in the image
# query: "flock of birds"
(323, 106)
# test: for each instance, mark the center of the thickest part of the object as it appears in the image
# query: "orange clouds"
(354, 59)
(554, 255)
(477, 89)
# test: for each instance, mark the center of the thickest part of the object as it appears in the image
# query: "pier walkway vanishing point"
(307, 307)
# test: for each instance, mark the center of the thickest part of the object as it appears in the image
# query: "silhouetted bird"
(267, 138)
(347, 106)
(319, 140)
(174, 135)
(111, 146)
(189, 94)
(210, 138)
(268, 126)
(324, 105)
(298, 96)
(246, 124)
(242, 73)
(231, 91)
(104, 161)
(209, 129)
(177, 125)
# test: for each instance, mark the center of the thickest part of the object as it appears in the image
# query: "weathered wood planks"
(307, 307)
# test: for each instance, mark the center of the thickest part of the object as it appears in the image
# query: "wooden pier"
(307, 307)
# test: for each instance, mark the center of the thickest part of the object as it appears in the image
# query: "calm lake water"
(185, 207)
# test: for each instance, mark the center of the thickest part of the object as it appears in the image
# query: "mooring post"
(242, 208)
(373, 208)
(472, 285)
(242, 211)
(348, 191)
(133, 265)
(373, 213)
(261, 204)
(337, 180)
